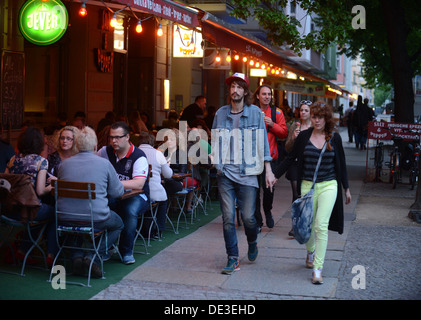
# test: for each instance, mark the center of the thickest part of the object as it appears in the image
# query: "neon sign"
(43, 22)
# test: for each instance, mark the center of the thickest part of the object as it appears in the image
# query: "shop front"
(111, 56)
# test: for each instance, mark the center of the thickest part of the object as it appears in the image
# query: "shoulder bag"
(302, 210)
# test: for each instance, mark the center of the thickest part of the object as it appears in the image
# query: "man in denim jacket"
(240, 151)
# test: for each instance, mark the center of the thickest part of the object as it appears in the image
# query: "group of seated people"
(115, 168)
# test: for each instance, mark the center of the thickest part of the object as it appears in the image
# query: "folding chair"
(9, 226)
(180, 199)
(153, 207)
(86, 192)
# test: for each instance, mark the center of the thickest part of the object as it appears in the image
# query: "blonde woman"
(65, 148)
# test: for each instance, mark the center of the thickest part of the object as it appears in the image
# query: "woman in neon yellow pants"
(332, 176)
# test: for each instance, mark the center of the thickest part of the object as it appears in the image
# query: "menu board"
(12, 89)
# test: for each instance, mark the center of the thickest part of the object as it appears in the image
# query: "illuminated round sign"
(43, 22)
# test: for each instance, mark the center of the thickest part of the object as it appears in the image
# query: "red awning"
(223, 36)
(165, 9)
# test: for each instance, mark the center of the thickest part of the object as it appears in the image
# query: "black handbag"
(302, 210)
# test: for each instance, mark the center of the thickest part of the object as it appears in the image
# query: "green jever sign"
(43, 22)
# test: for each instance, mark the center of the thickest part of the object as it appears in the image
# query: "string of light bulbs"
(113, 22)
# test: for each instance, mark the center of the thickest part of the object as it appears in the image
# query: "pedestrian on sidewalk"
(238, 133)
(294, 130)
(276, 129)
(327, 200)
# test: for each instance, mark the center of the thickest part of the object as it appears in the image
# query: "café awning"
(165, 9)
(223, 35)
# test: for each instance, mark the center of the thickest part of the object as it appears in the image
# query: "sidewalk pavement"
(377, 257)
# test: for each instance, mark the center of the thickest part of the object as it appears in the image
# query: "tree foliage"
(334, 21)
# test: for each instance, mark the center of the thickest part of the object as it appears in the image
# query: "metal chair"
(85, 191)
(9, 225)
(153, 207)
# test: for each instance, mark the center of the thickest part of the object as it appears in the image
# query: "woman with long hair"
(65, 148)
(332, 176)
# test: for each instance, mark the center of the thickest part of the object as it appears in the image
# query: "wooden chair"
(85, 191)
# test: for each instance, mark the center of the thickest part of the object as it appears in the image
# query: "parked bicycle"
(394, 164)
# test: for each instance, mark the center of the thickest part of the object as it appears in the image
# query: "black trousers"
(267, 197)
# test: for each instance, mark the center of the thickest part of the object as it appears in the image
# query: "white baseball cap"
(237, 75)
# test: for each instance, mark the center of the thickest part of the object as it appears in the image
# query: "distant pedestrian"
(360, 118)
(239, 126)
(328, 201)
(348, 119)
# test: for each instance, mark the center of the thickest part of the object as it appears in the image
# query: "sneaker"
(253, 251)
(232, 266)
(317, 277)
(269, 220)
(129, 259)
(291, 233)
(310, 260)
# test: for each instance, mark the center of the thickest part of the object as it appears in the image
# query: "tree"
(387, 34)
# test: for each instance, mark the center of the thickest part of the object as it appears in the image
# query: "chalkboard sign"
(12, 89)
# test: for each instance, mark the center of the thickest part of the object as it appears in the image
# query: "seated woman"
(65, 148)
(160, 168)
(176, 156)
(29, 161)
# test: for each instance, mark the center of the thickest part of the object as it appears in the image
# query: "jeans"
(129, 210)
(113, 225)
(246, 201)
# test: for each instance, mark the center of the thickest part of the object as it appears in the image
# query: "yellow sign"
(187, 42)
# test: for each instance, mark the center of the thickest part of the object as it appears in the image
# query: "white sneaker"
(310, 260)
(317, 277)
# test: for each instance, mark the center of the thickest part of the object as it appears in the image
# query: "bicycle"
(394, 164)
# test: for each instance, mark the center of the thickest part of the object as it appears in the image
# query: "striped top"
(327, 165)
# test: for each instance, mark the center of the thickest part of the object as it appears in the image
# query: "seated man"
(132, 167)
(86, 166)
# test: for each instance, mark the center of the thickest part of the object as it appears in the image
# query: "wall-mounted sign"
(187, 42)
(43, 22)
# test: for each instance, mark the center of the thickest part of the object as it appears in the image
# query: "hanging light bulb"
(228, 58)
(257, 64)
(113, 21)
(82, 10)
(218, 58)
(245, 59)
(252, 62)
(236, 57)
(139, 27)
(159, 32)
